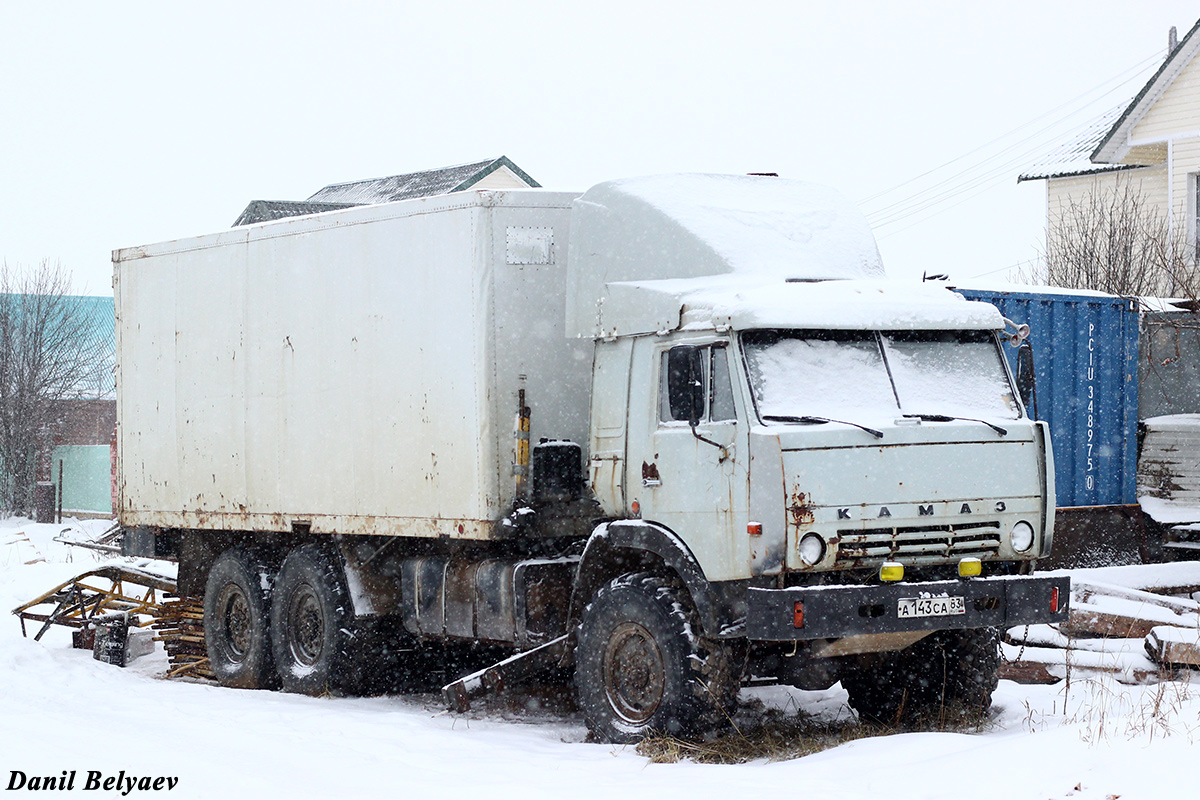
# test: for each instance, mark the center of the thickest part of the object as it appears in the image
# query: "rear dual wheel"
(264, 629)
(311, 617)
(237, 626)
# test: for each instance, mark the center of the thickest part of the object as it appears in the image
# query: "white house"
(1151, 144)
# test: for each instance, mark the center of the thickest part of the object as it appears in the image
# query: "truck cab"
(842, 462)
(865, 445)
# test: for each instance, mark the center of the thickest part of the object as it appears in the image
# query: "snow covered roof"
(1074, 157)
(1168, 305)
(1008, 287)
(1115, 144)
(720, 303)
(267, 210)
(688, 225)
(418, 184)
(1104, 143)
(426, 183)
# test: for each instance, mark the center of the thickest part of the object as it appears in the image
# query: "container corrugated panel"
(1086, 359)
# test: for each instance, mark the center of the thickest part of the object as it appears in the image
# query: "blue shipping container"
(1085, 350)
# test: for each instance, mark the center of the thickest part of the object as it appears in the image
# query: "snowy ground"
(62, 710)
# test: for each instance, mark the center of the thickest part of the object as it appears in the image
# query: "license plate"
(930, 607)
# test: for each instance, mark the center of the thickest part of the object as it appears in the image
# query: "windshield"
(956, 373)
(823, 373)
(866, 374)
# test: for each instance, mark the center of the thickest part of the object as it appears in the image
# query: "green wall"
(87, 478)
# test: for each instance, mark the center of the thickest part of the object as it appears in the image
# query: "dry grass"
(775, 735)
(1101, 708)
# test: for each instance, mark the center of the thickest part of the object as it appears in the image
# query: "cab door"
(693, 477)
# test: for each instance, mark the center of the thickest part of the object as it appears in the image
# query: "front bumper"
(832, 612)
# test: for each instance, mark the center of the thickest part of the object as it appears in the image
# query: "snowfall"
(61, 710)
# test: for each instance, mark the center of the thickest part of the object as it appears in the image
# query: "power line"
(1124, 77)
(963, 180)
(1018, 265)
(966, 184)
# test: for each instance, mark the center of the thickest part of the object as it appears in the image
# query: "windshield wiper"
(820, 420)
(944, 418)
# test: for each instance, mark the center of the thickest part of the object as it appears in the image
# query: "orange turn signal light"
(798, 618)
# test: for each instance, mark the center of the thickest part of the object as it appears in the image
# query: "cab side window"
(713, 365)
(720, 403)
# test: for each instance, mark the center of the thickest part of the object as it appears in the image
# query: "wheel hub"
(306, 625)
(235, 618)
(634, 675)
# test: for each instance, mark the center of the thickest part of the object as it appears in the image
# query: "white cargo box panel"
(356, 371)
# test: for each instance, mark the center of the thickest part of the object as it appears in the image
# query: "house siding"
(502, 178)
(1185, 159)
(1061, 192)
(1176, 112)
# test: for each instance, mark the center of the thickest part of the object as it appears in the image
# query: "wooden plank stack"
(180, 627)
(1136, 636)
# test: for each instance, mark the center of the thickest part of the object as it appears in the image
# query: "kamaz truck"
(668, 436)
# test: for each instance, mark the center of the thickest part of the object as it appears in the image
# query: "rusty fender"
(627, 545)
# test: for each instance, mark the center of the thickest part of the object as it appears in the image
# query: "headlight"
(811, 549)
(1022, 537)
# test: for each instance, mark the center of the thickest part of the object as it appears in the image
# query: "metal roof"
(267, 210)
(1100, 146)
(1074, 157)
(426, 183)
(417, 184)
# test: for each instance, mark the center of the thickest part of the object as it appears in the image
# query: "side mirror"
(685, 383)
(1027, 377)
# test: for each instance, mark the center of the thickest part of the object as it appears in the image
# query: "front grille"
(935, 544)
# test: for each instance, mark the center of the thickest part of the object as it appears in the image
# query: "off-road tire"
(947, 668)
(311, 618)
(959, 667)
(237, 623)
(883, 693)
(642, 667)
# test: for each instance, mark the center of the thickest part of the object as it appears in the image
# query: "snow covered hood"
(692, 235)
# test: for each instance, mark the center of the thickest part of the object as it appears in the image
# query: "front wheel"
(960, 667)
(641, 667)
(946, 668)
(883, 690)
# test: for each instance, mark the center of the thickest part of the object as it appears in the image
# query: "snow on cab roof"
(688, 225)
(710, 251)
(852, 305)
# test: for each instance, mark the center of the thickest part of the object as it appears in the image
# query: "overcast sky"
(128, 123)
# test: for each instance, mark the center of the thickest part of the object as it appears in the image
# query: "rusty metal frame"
(79, 603)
